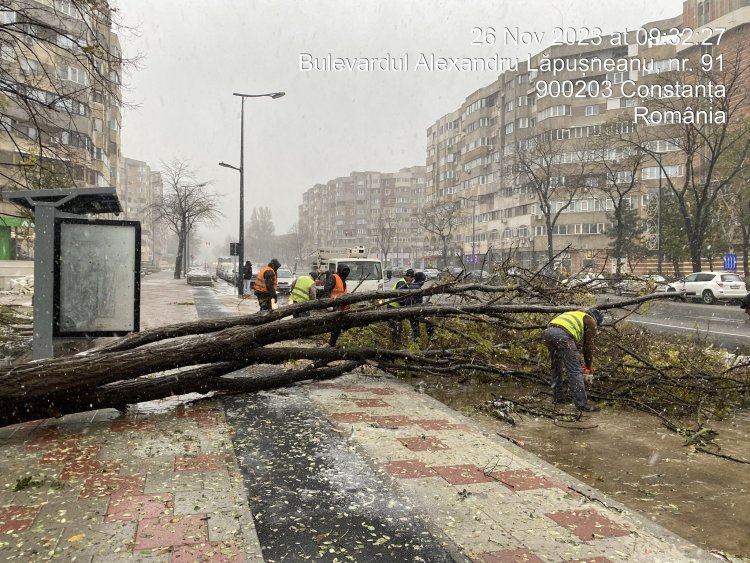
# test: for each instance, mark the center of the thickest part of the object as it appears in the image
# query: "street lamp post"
(241, 170)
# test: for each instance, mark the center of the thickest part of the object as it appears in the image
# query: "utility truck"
(365, 274)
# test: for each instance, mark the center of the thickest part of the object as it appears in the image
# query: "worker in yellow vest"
(396, 326)
(563, 336)
(266, 285)
(303, 289)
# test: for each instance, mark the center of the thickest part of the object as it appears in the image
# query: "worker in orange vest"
(266, 284)
(336, 287)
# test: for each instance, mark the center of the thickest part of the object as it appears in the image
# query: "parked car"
(284, 279)
(586, 281)
(710, 286)
(431, 273)
(198, 276)
(635, 285)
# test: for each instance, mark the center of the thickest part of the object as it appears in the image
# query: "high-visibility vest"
(339, 288)
(301, 291)
(260, 282)
(572, 321)
(395, 285)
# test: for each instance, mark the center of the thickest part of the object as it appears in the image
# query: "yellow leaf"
(77, 537)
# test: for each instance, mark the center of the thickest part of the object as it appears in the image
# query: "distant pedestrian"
(420, 282)
(562, 337)
(303, 289)
(336, 287)
(745, 304)
(247, 277)
(266, 285)
(396, 326)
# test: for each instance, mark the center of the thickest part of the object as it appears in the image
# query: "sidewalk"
(163, 483)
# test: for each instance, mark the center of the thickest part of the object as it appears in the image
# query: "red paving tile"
(588, 524)
(17, 518)
(124, 506)
(409, 469)
(359, 389)
(68, 450)
(104, 485)
(351, 417)
(592, 560)
(430, 424)
(423, 444)
(213, 552)
(509, 556)
(204, 417)
(85, 467)
(462, 474)
(126, 425)
(168, 531)
(525, 480)
(392, 421)
(200, 463)
(48, 439)
(370, 403)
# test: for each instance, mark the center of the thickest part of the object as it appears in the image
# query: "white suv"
(710, 286)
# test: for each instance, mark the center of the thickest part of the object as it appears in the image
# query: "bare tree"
(185, 204)
(617, 163)
(441, 220)
(712, 150)
(300, 241)
(385, 230)
(552, 169)
(260, 236)
(59, 61)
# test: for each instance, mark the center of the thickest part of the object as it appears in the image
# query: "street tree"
(552, 169)
(385, 230)
(184, 205)
(617, 164)
(441, 219)
(260, 236)
(300, 241)
(58, 60)
(711, 151)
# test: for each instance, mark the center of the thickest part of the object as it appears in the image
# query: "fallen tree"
(481, 328)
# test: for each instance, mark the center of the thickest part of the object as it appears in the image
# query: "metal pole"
(473, 233)
(660, 249)
(241, 257)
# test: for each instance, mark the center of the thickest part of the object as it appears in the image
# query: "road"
(722, 324)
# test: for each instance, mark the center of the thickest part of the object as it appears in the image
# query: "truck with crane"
(365, 274)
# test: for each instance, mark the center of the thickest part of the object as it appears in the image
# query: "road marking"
(690, 328)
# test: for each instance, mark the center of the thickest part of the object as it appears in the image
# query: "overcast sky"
(197, 52)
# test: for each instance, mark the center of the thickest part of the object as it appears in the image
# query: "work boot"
(588, 408)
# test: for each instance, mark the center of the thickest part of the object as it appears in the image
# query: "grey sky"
(196, 53)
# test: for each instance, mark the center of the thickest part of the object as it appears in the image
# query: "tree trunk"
(179, 257)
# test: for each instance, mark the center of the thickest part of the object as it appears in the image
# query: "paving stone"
(171, 482)
(219, 481)
(105, 485)
(17, 518)
(200, 463)
(423, 443)
(132, 426)
(215, 552)
(410, 469)
(462, 474)
(65, 514)
(28, 546)
(370, 403)
(83, 468)
(127, 507)
(588, 524)
(351, 417)
(97, 542)
(192, 502)
(171, 531)
(131, 465)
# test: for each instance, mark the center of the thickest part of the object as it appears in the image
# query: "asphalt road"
(722, 324)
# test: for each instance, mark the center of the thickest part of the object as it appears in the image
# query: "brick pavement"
(163, 484)
(493, 500)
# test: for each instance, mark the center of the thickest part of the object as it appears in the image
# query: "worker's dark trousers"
(564, 353)
(264, 300)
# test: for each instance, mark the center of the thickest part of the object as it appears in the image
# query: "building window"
(523, 123)
(73, 74)
(509, 128)
(592, 110)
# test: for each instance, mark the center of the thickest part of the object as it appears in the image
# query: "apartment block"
(556, 137)
(139, 188)
(60, 66)
(376, 209)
